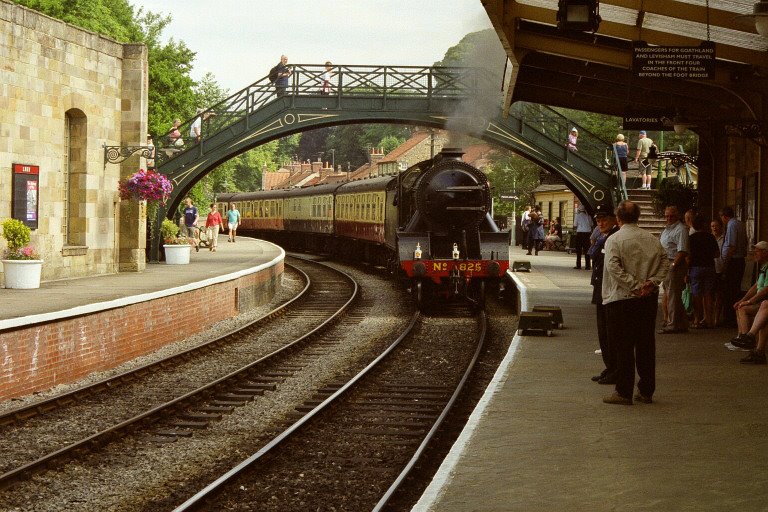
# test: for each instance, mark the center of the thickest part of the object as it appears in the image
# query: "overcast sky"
(239, 41)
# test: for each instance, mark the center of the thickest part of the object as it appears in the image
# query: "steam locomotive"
(430, 224)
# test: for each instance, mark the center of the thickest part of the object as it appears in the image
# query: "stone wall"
(42, 356)
(64, 94)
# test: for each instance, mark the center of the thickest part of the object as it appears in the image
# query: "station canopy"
(593, 70)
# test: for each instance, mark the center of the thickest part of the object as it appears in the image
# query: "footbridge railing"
(462, 99)
(306, 81)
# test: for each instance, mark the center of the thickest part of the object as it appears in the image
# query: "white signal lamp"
(455, 251)
(417, 252)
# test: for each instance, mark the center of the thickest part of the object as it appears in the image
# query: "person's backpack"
(273, 74)
(653, 151)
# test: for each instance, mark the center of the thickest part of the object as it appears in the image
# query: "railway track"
(178, 395)
(360, 437)
(138, 469)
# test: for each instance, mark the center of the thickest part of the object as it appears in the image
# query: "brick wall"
(42, 356)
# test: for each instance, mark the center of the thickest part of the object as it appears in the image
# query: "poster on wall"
(26, 194)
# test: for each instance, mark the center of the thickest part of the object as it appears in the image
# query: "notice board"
(680, 62)
(26, 194)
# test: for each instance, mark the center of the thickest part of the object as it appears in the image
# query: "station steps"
(648, 218)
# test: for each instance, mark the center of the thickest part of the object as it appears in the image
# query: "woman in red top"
(212, 225)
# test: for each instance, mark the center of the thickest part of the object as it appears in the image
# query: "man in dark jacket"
(606, 221)
(283, 75)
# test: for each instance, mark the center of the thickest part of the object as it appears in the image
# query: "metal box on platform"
(557, 314)
(535, 321)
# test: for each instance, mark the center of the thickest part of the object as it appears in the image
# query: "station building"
(596, 62)
(65, 93)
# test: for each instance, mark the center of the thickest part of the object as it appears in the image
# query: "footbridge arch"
(465, 100)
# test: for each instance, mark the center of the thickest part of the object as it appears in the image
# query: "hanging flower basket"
(149, 186)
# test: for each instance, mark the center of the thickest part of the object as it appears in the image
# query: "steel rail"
(199, 498)
(47, 405)
(483, 320)
(103, 436)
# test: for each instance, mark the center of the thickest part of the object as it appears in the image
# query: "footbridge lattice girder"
(438, 99)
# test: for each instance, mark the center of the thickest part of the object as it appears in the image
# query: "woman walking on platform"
(212, 224)
(233, 219)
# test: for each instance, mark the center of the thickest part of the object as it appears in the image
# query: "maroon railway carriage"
(431, 224)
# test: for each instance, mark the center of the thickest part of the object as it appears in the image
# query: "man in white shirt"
(674, 239)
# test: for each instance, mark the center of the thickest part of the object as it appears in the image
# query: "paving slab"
(542, 440)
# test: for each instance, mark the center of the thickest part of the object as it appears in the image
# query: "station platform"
(69, 297)
(69, 328)
(541, 439)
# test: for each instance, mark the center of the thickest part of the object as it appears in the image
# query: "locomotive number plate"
(466, 266)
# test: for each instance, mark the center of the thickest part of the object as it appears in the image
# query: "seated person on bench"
(555, 237)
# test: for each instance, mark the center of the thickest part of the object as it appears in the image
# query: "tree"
(346, 140)
(509, 173)
(477, 49)
(208, 92)
(287, 150)
(390, 142)
(312, 145)
(112, 18)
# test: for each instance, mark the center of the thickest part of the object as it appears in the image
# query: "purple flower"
(146, 186)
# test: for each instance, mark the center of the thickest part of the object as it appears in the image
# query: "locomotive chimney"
(450, 154)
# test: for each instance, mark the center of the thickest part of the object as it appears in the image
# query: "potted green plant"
(21, 263)
(176, 248)
(672, 192)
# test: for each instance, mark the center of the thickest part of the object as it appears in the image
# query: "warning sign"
(681, 62)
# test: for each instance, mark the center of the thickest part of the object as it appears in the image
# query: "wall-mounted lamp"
(680, 127)
(759, 18)
(578, 15)
(678, 123)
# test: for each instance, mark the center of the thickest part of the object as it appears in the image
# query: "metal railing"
(346, 82)
(556, 127)
(680, 162)
(621, 187)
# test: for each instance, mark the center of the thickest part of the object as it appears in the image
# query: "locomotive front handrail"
(464, 188)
